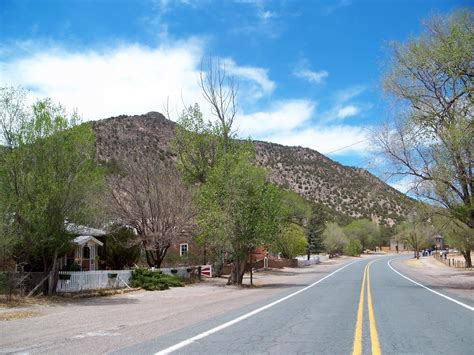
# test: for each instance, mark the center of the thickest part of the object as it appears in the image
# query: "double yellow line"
(374, 338)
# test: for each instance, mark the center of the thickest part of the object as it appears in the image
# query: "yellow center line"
(357, 347)
(374, 338)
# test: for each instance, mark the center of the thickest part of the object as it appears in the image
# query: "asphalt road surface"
(363, 307)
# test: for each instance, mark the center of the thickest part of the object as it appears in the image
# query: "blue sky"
(308, 71)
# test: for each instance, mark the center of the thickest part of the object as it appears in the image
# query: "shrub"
(153, 280)
(353, 248)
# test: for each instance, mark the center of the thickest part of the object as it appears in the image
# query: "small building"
(398, 245)
(438, 242)
(85, 251)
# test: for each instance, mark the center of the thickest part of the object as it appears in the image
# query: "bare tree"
(431, 140)
(148, 196)
(220, 91)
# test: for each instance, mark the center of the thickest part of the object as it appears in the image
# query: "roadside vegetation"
(429, 139)
(153, 280)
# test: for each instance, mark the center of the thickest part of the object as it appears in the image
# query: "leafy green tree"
(238, 211)
(353, 247)
(237, 208)
(290, 242)
(457, 234)
(334, 239)
(196, 145)
(48, 175)
(296, 209)
(121, 249)
(431, 141)
(367, 232)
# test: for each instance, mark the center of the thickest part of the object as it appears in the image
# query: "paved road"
(362, 308)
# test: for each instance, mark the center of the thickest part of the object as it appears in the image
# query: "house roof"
(83, 239)
(84, 231)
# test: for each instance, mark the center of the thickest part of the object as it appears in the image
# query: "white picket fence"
(74, 281)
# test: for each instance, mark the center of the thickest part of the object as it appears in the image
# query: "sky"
(309, 72)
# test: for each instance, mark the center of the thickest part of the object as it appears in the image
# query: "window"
(183, 249)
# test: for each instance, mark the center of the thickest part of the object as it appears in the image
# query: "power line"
(347, 146)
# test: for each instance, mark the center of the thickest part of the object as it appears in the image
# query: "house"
(85, 250)
(398, 245)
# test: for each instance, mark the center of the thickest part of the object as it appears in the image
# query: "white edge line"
(427, 288)
(245, 316)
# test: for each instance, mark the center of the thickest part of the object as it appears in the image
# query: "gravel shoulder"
(104, 324)
(457, 283)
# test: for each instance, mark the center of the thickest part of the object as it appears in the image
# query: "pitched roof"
(83, 230)
(83, 239)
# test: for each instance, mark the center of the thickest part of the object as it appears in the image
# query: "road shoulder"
(456, 283)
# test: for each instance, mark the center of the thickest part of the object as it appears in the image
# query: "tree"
(353, 247)
(148, 196)
(121, 249)
(334, 239)
(48, 176)
(431, 141)
(290, 242)
(196, 145)
(367, 232)
(417, 234)
(456, 234)
(317, 226)
(237, 211)
(237, 208)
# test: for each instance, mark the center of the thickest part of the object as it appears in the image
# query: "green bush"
(353, 248)
(153, 280)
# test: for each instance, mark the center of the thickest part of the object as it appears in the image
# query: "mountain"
(344, 192)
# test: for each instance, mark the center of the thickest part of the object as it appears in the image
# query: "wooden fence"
(74, 281)
(451, 262)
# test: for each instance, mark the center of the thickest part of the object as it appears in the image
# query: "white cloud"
(316, 77)
(134, 79)
(126, 80)
(283, 116)
(347, 111)
(257, 76)
(130, 79)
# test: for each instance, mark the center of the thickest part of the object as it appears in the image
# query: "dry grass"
(17, 315)
(18, 301)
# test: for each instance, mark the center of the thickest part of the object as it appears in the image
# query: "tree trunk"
(467, 257)
(53, 275)
(237, 273)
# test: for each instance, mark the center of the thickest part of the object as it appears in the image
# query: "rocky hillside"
(346, 192)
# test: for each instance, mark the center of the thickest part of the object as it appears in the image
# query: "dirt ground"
(434, 274)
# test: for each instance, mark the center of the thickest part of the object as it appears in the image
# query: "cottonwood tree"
(416, 233)
(48, 175)
(291, 241)
(334, 239)
(367, 232)
(148, 196)
(238, 211)
(237, 207)
(431, 139)
(196, 145)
